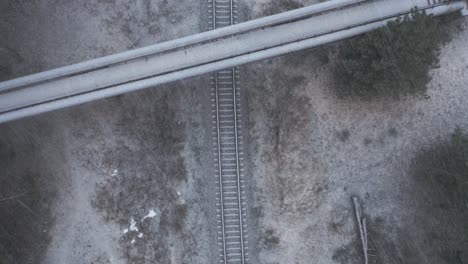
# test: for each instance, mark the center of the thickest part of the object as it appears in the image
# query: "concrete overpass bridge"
(202, 53)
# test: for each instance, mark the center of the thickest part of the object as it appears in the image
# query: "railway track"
(228, 149)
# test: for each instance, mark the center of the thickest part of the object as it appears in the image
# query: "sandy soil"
(122, 180)
(311, 152)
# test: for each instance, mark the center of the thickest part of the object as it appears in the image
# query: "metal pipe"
(209, 66)
(175, 44)
(198, 55)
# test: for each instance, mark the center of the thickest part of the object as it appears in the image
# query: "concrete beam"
(206, 52)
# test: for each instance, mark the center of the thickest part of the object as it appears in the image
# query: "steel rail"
(241, 220)
(220, 175)
(230, 253)
(220, 169)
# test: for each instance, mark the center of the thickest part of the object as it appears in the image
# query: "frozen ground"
(128, 179)
(311, 152)
(122, 180)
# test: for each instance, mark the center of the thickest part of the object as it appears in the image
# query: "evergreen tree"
(392, 61)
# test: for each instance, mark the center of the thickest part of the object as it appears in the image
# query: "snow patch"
(150, 214)
(133, 226)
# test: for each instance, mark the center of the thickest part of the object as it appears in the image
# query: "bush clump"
(444, 167)
(392, 61)
(441, 191)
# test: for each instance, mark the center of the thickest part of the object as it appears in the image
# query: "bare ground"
(78, 184)
(28, 192)
(122, 180)
(312, 151)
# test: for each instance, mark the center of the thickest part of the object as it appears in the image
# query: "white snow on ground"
(151, 214)
(114, 173)
(133, 226)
